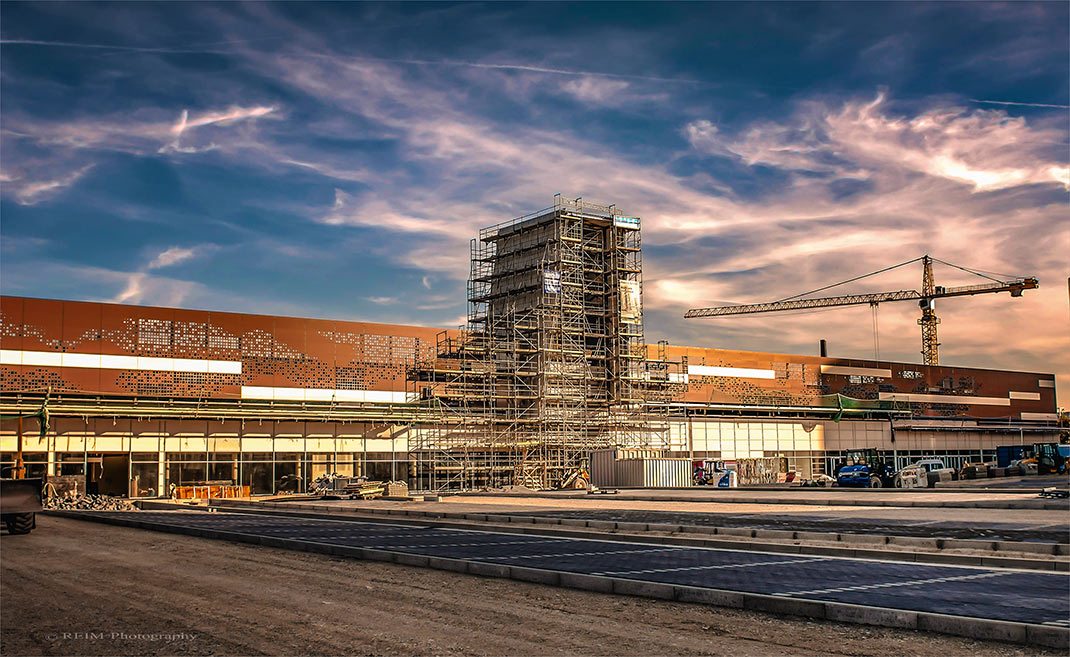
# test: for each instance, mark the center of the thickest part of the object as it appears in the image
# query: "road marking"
(1058, 623)
(714, 567)
(395, 546)
(584, 554)
(916, 582)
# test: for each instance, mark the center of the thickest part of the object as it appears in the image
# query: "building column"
(161, 472)
(51, 463)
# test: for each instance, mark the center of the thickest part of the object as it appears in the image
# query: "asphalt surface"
(1010, 595)
(922, 526)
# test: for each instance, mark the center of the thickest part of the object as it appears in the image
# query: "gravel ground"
(78, 588)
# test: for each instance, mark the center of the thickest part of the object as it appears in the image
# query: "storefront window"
(221, 473)
(143, 479)
(71, 463)
(181, 471)
(256, 469)
(287, 473)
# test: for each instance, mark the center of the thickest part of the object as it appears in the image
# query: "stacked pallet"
(364, 490)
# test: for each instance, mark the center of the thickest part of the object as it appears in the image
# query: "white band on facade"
(325, 394)
(736, 372)
(112, 362)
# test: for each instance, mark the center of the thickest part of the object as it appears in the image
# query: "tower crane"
(926, 299)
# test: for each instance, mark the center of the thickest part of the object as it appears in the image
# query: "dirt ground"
(79, 588)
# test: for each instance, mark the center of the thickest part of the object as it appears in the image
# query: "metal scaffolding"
(552, 363)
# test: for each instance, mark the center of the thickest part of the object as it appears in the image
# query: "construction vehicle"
(20, 498)
(865, 468)
(1051, 458)
(580, 479)
(926, 299)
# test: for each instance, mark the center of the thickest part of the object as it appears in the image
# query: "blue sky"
(333, 160)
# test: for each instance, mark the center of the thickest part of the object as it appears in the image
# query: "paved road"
(919, 526)
(1020, 596)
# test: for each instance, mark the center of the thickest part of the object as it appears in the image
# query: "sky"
(334, 160)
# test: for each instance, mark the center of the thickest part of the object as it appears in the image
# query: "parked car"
(916, 475)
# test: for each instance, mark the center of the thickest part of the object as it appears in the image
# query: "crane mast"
(930, 344)
(926, 298)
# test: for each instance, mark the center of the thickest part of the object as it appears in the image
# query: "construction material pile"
(328, 483)
(88, 503)
(396, 489)
(365, 490)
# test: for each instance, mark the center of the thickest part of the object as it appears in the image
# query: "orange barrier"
(213, 491)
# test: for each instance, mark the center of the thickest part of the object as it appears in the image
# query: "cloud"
(985, 149)
(141, 285)
(224, 117)
(1018, 104)
(171, 256)
(30, 192)
(598, 91)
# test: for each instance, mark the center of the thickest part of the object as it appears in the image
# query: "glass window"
(71, 463)
(287, 474)
(150, 457)
(143, 479)
(184, 473)
(257, 473)
(221, 472)
(176, 457)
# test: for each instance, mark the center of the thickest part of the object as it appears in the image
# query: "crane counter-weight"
(926, 300)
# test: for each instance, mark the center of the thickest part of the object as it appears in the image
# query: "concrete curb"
(976, 628)
(859, 546)
(1031, 503)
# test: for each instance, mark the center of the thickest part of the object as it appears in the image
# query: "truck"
(865, 468)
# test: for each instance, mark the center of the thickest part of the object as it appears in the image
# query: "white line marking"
(583, 554)
(715, 567)
(915, 582)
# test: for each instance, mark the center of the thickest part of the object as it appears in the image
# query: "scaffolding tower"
(552, 363)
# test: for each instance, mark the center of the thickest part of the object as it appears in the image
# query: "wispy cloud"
(29, 192)
(225, 117)
(1018, 104)
(172, 256)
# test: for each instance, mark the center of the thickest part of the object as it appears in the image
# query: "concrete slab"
(643, 589)
(871, 615)
(587, 582)
(976, 628)
(709, 596)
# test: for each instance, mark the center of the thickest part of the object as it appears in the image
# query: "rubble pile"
(88, 503)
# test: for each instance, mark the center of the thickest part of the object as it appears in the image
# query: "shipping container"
(603, 463)
(653, 473)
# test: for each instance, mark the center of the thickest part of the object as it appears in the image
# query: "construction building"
(552, 364)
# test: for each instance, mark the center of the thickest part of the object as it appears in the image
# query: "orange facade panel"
(190, 353)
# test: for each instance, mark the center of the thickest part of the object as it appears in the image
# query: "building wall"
(724, 376)
(120, 351)
(166, 352)
(187, 353)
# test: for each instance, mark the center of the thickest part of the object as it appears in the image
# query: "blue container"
(1007, 453)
